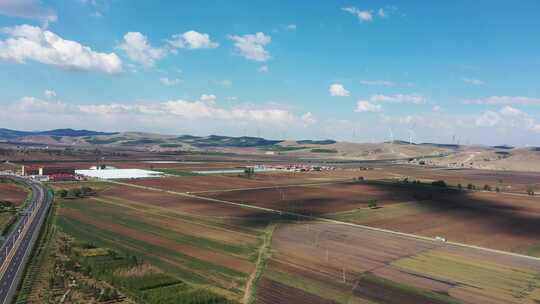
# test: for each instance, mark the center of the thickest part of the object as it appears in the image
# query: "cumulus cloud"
(366, 106)
(170, 81)
(29, 9)
(474, 81)
(488, 119)
(263, 69)
(362, 15)
(510, 111)
(204, 111)
(308, 119)
(192, 40)
(49, 93)
(137, 48)
(502, 100)
(26, 42)
(508, 117)
(399, 98)
(337, 89)
(210, 98)
(252, 46)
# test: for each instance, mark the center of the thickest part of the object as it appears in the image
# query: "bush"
(372, 203)
(459, 186)
(75, 192)
(487, 187)
(471, 187)
(530, 190)
(61, 193)
(439, 183)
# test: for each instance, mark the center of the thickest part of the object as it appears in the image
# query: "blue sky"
(349, 70)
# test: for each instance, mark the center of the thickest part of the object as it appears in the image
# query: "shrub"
(439, 183)
(487, 187)
(75, 192)
(372, 203)
(62, 193)
(530, 190)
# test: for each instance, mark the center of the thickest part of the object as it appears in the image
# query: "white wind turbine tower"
(391, 140)
(411, 136)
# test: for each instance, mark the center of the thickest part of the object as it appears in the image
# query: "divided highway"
(17, 246)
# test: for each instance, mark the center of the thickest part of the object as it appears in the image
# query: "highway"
(17, 246)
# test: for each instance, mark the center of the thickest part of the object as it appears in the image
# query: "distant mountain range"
(13, 134)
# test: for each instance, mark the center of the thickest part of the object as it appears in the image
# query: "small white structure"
(118, 173)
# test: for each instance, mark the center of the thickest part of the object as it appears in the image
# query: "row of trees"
(75, 192)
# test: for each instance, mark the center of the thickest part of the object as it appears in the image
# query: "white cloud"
(30, 9)
(381, 13)
(28, 42)
(170, 81)
(210, 98)
(137, 48)
(510, 111)
(474, 81)
(436, 108)
(488, 119)
(154, 114)
(192, 40)
(291, 27)
(366, 106)
(308, 119)
(501, 100)
(263, 69)
(49, 93)
(29, 104)
(363, 16)
(337, 89)
(252, 46)
(399, 98)
(508, 117)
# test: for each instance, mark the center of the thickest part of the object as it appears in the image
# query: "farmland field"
(12, 193)
(11, 196)
(328, 263)
(494, 220)
(199, 243)
(207, 234)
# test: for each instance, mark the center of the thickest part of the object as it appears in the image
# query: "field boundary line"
(332, 221)
(337, 181)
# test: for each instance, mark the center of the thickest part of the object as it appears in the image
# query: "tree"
(487, 187)
(459, 186)
(75, 192)
(372, 203)
(470, 187)
(249, 171)
(61, 193)
(530, 190)
(439, 183)
(497, 189)
(85, 190)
